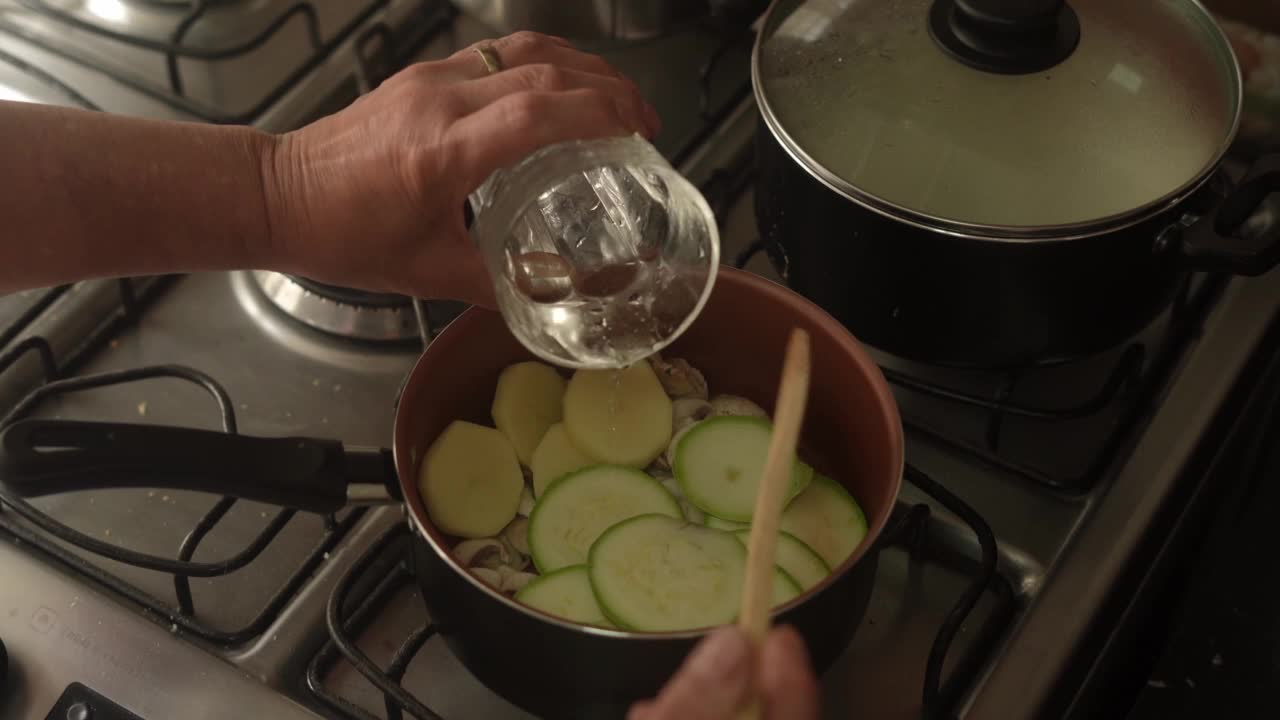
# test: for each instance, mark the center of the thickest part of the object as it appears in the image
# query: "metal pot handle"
(1213, 242)
(45, 457)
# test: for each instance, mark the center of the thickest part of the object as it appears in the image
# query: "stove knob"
(79, 711)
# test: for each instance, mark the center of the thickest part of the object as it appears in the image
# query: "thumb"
(714, 681)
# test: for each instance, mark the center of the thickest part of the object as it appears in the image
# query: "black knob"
(79, 711)
(1011, 15)
(1006, 36)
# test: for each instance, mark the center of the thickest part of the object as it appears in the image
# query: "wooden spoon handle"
(757, 591)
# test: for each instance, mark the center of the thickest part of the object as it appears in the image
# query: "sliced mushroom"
(483, 553)
(492, 578)
(687, 411)
(519, 560)
(668, 458)
(722, 405)
(691, 513)
(526, 502)
(679, 378)
(517, 534)
(514, 580)
(670, 484)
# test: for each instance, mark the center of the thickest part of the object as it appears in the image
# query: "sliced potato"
(555, 457)
(529, 399)
(470, 481)
(619, 417)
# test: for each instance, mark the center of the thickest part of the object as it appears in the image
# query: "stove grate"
(348, 615)
(40, 529)
(1135, 381)
(437, 16)
(49, 79)
(346, 624)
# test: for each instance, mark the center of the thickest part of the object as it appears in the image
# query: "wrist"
(281, 208)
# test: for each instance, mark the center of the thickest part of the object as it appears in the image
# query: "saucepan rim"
(406, 459)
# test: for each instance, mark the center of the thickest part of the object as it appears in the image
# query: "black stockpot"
(932, 297)
(933, 282)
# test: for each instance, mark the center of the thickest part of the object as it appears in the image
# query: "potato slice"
(529, 399)
(555, 457)
(620, 417)
(470, 481)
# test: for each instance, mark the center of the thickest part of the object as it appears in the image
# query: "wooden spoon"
(757, 591)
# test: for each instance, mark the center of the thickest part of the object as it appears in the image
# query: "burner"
(340, 311)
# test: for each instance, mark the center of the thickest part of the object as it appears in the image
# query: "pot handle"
(44, 457)
(1213, 241)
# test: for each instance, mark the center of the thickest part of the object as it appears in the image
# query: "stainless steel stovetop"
(1068, 466)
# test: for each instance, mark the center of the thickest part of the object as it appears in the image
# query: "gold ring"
(492, 63)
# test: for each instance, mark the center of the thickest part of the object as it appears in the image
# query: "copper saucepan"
(549, 666)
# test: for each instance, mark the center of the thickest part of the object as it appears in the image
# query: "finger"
(522, 48)
(512, 51)
(787, 684)
(641, 711)
(513, 126)
(478, 93)
(712, 683)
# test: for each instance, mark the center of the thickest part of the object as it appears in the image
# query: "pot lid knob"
(1005, 36)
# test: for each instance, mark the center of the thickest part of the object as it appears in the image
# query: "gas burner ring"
(339, 311)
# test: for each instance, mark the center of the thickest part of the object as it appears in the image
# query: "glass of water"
(601, 254)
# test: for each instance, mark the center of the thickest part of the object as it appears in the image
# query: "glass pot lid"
(1001, 118)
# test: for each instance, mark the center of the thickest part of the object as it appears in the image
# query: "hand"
(372, 196)
(715, 681)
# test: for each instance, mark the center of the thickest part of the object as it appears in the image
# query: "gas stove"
(1031, 496)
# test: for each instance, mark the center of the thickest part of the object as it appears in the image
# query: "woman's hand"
(372, 196)
(716, 680)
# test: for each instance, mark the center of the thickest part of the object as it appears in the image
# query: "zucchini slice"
(827, 519)
(655, 573)
(719, 461)
(575, 509)
(798, 560)
(565, 593)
